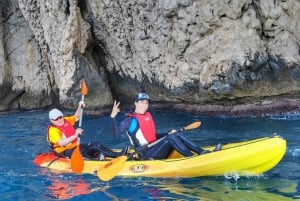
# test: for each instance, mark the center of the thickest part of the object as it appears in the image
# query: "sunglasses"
(58, 118)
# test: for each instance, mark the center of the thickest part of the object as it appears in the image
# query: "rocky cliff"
(195, 53)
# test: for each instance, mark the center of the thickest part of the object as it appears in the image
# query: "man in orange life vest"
(141, 130)
(62, 137)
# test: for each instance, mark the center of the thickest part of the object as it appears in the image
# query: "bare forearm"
(77, 113)
(66, 141)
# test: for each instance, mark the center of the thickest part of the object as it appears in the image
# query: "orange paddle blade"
(77, 161)
(110, 169)
(84, 89)
(193, 125)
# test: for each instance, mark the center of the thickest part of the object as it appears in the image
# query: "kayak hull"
(248, 158)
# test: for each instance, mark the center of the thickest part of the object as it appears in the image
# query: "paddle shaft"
(80, 121)
(189, 127)
(77, 161)
(81, 113)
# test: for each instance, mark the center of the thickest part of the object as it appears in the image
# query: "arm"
(55, 136)
(66, 141)
(160, 135)
(114, 113)
(124, 125)
(114, 126)
(115, 109)
(77, 112)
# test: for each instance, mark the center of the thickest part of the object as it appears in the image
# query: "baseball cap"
(55, 113)
(142, 96)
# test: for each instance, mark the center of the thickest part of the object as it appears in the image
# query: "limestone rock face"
(181, 51)
(23, 72)
(202, 51)
(64, 36)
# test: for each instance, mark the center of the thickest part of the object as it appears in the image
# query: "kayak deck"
(246, 158)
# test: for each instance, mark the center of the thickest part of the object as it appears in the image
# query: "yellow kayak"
(248, 158)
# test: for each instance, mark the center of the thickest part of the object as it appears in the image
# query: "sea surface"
(23, 136)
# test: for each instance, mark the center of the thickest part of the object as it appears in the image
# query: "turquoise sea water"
(23, 135)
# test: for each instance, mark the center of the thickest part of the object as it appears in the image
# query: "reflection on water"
(228, 190)
(65, 189)
(210, 189)
(62, 187)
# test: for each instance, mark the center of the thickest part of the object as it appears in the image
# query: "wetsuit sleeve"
(124, 125)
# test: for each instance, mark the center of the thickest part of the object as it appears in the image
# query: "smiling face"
(141, 106)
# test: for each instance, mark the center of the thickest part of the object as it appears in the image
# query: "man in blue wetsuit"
(140, 128)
